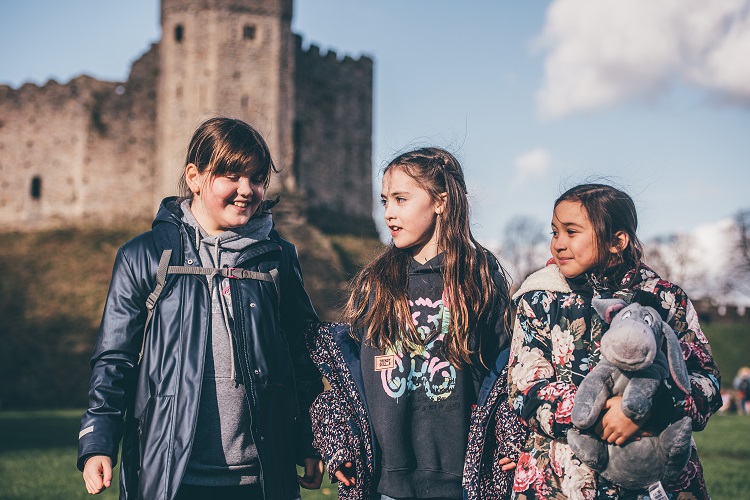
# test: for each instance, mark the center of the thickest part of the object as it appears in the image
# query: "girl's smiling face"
(411, 214)
(573, 244)
(226, 201)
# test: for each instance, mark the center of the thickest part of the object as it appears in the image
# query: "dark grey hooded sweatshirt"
(223, 453)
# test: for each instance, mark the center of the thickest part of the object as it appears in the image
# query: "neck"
(426, 252)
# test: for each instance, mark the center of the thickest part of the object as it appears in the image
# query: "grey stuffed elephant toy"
(633, 366)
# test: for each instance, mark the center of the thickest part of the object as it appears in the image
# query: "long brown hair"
(378, 303)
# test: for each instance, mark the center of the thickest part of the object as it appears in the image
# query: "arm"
(541, 401)
(705, 395)
(113, 365)
(295, 315)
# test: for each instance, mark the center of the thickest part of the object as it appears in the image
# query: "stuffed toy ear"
(607, 308)
(677, 367)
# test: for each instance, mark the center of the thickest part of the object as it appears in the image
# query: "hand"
(507, 464)
(313, 474)
(97, 474)
(615, 427)
(346, 474)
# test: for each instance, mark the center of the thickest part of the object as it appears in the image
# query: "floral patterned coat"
(342, 431)
(556, 341)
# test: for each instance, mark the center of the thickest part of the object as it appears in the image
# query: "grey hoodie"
(223, 452)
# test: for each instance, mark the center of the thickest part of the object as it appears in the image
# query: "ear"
(608, 308)
(193, 178)
(621, 242)
(440, 205)
(677, 367)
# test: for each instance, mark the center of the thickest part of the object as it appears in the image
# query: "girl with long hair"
(425, 342)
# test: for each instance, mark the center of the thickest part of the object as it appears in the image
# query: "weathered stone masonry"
(98, 152)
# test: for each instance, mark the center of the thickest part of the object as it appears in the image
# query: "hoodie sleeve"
(113, 364)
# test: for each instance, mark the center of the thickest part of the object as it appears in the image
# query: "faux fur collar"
(549, 278)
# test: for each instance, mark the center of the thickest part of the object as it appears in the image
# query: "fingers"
(346, 474)
(97, 474)
(313, 474)
(107, 473)
(507, 464)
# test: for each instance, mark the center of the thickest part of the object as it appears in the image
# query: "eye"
(648, 319)
(400, 200)
(626, 314)
(232, 177)
(382, 201)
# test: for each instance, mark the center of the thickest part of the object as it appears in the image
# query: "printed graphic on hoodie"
(425, 368)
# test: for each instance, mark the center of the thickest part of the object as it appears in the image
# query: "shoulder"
(286, 246)
(138, 246)
(548, 279)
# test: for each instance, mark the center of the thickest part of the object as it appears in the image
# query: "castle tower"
(232, 58)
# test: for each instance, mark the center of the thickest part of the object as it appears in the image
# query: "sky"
(532, 97)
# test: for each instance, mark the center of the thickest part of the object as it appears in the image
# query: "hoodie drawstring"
(224, 309)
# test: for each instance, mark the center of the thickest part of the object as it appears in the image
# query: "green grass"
(730, 344)
(38, 455)
(38, 452)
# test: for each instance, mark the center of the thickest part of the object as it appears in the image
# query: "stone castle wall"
(95, 152)
(334, 133)
(79, 152)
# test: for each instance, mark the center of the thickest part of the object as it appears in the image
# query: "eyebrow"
(397, 193)
(566, 224)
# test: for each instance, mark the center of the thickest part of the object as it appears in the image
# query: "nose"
(559, 243)
(244, 187)
(388, 212)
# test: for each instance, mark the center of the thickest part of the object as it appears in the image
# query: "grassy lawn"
(38, 454)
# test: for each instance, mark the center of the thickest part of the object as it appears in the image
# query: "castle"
(93, 151)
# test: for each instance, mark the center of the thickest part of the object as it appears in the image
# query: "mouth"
(394, 230)
(240, 204)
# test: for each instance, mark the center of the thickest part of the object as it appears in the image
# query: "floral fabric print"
(556, 342)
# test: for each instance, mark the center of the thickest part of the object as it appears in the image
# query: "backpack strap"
(225, 272)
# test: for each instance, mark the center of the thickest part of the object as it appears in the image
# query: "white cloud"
(533, 164)
(602, 52)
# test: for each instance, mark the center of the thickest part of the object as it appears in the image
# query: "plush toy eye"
(625, 315)
(648, 319)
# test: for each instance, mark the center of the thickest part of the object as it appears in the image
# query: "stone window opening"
(36, 187)
(249, 32)
(179, 33)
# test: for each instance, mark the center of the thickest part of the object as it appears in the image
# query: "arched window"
(179, 33)
(248, 32)
(36, 187)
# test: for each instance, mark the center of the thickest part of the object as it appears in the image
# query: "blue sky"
(533, 97)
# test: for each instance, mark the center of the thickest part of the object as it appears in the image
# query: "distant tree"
(738, 278)
(673, 258)
(523, 247)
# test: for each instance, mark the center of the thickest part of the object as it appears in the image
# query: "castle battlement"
(91, 151)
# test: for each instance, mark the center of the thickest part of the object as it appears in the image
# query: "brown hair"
(378, 302)
(610, 211)
(222, 146)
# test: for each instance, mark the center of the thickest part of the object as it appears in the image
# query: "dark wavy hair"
(378, 302)
(610, 211)
(222, 146)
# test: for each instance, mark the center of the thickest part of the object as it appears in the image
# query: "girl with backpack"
(200, 365)
(425, 342)
(556, 339)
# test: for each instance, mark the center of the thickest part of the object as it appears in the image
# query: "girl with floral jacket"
(556, 342)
